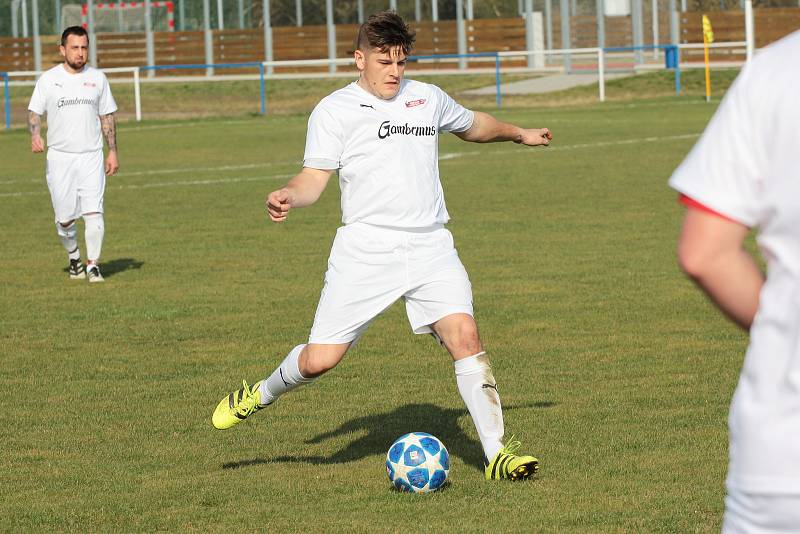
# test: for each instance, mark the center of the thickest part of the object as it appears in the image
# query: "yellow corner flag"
(708, 33)
(708, 37)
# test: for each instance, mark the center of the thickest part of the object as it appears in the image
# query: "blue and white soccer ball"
(418, 463)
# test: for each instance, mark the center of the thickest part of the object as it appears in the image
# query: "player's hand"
(37, 145)
(535, 137)
(112, 164)
(278, 204)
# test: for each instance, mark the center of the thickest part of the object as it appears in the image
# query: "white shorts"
(371, 267)
(754, 513)
(77, 182)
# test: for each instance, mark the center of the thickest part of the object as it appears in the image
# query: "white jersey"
(73, 103)
(386, 152)
(746, 166)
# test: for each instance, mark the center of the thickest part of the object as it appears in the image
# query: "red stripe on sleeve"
(689, 202)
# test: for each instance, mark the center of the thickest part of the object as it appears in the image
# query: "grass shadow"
(119, 265)
(382, 429)
(110, 268)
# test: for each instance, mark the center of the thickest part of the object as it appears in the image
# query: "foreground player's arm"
(109, 125)
(35, 128)
(710, 251)
(301, 191)
(487, 129)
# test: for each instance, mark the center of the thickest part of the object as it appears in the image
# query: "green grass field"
(612, 368)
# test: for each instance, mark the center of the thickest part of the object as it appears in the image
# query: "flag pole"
(708, 70)
(708, 37)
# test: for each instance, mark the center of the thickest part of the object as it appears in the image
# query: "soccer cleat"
(507, 464)
(76, 270)
(237, 406)
(94, 273)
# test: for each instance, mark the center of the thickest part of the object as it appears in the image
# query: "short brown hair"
(80, 31)
(385, 30)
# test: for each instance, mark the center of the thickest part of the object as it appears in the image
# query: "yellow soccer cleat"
(237, 406)
(507, 464)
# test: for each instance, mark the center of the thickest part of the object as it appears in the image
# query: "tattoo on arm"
(34, 123)
(109, 124)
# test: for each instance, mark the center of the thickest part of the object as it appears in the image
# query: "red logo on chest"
(413, 103)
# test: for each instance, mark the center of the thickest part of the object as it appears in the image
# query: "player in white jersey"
(744, 173)
(381, 134)
(79, 104)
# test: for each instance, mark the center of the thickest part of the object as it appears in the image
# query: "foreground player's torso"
(399, 131)
(387, 154)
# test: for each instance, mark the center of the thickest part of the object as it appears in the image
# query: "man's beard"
(75, 66)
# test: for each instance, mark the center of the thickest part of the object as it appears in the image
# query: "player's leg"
(478, 388)
(441, 304)
(64, 197)
(68, 234)
(94, 230)
(91, 191)
(458, 333)
(301, 366)
(354, 293)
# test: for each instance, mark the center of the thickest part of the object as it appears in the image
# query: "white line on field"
(181, 125)
(21, 180)
(207, 182)
(442, 157)
(169, 184)
(599, 144)
(179, 170)
(202, 169)
(627, 141)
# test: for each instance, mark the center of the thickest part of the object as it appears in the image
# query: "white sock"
(93, 234)
(69, 238)
(285, 378)
(479, 390)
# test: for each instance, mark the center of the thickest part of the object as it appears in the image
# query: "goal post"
(118, 17)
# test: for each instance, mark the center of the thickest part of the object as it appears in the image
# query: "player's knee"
(318, 365)
(319, 359)
(66, 229)
(467, 340)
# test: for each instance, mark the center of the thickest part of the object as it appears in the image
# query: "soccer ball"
(418, 463)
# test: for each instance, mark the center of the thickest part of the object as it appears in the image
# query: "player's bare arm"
(487, 129)
(301, 191)
(710, 251)
(109, 125)
(35, 128)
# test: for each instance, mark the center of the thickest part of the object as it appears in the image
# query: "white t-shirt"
(386, 151)
(746, 166)
(73, 103)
